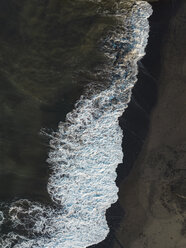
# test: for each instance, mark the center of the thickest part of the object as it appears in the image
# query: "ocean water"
(85, 148)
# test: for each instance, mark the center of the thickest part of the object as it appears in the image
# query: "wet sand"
(152, 199)
(153, 195)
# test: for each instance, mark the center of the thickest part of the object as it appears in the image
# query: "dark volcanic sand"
(152, 200)
(153, 196)
(151, 211)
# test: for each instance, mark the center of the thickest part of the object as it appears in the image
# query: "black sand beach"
(152, 196)
(151, 210)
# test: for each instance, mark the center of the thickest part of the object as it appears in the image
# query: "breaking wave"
(85, 151)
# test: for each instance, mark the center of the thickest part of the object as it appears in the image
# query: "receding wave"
(85, 151)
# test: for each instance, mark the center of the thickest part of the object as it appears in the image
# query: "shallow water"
(52, 53)
(43, 47)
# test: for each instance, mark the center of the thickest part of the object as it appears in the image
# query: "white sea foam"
(1, 218)
(86, 150)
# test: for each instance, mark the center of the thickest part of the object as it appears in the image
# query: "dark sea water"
(43, 46)
(51, 53)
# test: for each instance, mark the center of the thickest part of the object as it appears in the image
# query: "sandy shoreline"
(151, 210)
(154, 194)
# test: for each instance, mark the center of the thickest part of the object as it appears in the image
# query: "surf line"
(86, 150)
(87, 147)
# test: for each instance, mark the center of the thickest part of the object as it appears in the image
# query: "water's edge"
(87, 149)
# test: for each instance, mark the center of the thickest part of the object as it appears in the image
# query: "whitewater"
(86, 150)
